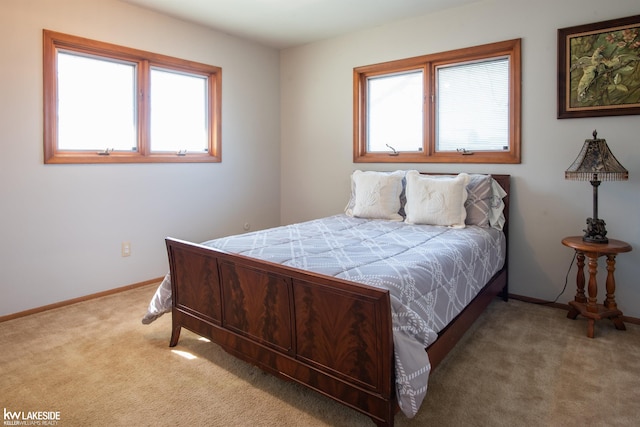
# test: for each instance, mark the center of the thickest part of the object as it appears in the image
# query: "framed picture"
(599, 69)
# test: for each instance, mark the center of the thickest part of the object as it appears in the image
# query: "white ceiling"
(287, 23)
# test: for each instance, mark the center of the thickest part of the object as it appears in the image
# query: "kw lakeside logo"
(31, 418)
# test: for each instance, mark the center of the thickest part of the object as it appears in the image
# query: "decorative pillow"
(376, 195)
(479, 199)
(481, 196)
(436, 201)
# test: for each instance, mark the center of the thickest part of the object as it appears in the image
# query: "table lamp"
(596, 163)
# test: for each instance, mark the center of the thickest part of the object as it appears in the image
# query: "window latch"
(394, 152)
(105, 152)
(464, 151)
(182, 152)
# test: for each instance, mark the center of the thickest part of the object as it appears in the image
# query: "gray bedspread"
(431, 272)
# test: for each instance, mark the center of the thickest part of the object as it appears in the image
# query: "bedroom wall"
(316, 111)
(62, 225)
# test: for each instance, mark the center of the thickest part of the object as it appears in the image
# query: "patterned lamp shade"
(596, 163)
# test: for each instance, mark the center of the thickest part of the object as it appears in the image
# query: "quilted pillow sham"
(436, 200)
(376, 195)
(484, 201)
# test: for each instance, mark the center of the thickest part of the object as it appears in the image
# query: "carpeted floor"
(520, 365)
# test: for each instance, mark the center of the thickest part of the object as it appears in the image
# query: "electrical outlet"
(126, 249)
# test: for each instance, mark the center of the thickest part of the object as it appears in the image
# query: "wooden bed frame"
(331, 335)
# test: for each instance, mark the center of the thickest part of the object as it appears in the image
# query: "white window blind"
(472, 106)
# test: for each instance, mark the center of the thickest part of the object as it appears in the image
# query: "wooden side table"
(588, 307)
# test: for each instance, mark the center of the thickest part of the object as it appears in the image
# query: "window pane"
(473, 106)
(96, 103)
(395, 112)
(178, 112)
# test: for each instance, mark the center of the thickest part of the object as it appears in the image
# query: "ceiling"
(287, 23)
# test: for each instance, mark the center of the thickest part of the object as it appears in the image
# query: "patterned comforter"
(431, 272)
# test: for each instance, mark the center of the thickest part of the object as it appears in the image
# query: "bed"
(347, 305)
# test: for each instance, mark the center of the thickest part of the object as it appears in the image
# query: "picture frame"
(599, 69)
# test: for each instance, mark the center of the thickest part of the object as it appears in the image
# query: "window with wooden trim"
(105, 103)
(461, 106)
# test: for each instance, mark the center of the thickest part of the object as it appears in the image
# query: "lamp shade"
(596, 163)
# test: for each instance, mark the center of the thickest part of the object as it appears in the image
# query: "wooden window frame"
(428, 64)
(54, 41)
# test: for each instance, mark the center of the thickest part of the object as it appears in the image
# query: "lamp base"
(595, 232)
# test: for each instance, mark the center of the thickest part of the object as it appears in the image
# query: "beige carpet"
(520, 365)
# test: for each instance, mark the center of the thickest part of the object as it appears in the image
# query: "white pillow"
(436, 201)
(376, 195)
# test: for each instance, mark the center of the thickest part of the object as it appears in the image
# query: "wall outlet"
(126, 249)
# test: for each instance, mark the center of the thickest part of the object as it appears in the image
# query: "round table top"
(612, 247)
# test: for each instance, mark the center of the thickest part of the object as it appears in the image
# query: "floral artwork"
(599, 69)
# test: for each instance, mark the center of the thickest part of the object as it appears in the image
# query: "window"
(111, 104)
(451, 107)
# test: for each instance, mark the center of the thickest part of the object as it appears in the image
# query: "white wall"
(61, 226)
(316, 113)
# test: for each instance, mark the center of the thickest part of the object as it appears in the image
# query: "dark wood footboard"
(331, 335)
